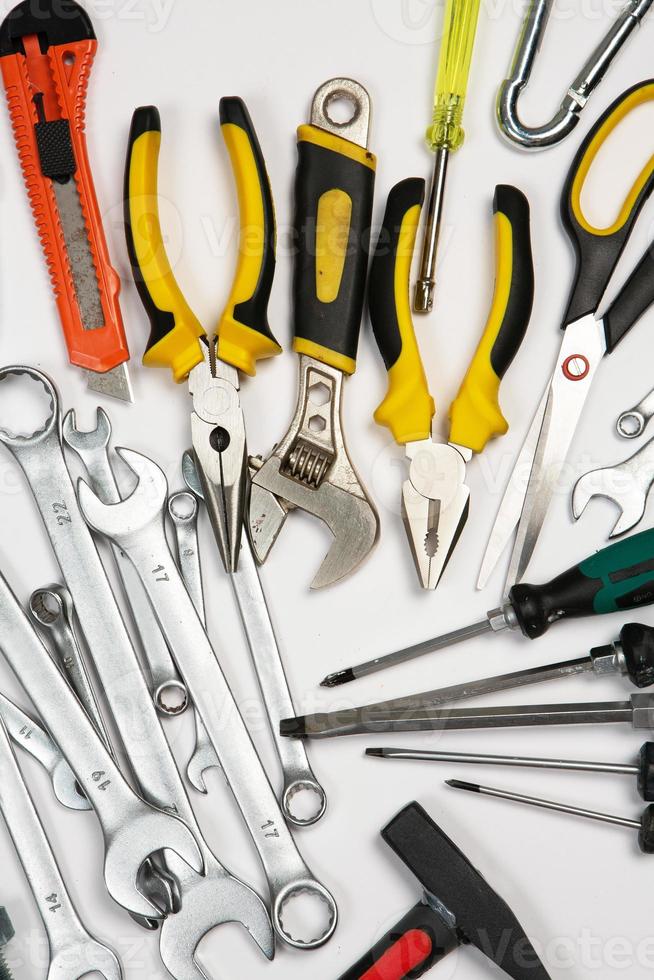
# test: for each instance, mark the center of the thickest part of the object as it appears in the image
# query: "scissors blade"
(510, 509)
(581, 353)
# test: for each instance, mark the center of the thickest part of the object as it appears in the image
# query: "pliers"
(435, 498)
(177, 339)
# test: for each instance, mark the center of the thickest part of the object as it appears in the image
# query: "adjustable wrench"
(137, 526)
(73, 951)
(309, 468)
(183, 511)
(299, 780)
(27, 733)
(51, 609)
(132, 829)
(93, 449)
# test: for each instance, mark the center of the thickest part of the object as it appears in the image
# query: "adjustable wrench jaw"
(219, 444)
(310, 470)
(435, 505)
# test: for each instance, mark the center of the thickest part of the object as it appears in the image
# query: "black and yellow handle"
(174, 328)
(475, 415)
(244, 334)
(408, 408)
(597, 250)
(333, 212)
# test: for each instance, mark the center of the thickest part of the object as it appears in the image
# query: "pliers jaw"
(435, 505)
(220, 448)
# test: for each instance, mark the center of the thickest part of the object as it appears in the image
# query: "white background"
(581, 890)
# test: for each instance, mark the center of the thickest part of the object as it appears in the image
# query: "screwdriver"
(617, 578)
(643, 771)
(445, 134)
(632, 655)
(644, 826)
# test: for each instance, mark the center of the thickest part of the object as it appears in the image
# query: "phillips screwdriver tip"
(338, 678)
(460, 784)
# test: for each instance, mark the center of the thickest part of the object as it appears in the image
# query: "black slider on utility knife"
(459, 908)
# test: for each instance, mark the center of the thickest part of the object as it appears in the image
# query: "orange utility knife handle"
(46, 53)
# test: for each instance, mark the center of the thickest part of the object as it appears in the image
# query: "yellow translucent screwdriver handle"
(445, 134)
(457, 43)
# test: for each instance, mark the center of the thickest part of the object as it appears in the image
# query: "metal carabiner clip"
(591, 74)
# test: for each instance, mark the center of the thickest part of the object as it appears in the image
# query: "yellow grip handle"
(244, 334)
(174, 328)
(408, 408)
(475, 415)
(457, 43)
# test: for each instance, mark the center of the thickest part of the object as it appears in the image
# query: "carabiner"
(592, 73)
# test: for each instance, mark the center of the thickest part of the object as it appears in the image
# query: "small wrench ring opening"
(40, 431)
(312, 799)
(46, 606)
(320, 900)
(171, 698)
(183, 506)
(630, 425)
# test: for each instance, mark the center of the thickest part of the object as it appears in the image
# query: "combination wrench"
(183, 511)
(51, 610)
(299, 780)
(168, 692)
(137, 526)
(132, 829)
(217, 896)
(74, 953)
(27, 733)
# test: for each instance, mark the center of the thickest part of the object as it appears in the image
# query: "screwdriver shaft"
(522, 762)
(576, 811)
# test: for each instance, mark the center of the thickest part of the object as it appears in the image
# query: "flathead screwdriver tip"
(460, 784)
(378, 753)
(293, 727)
(338, 678)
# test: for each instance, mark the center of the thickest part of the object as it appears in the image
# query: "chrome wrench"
(132, 830)
(73, 951)
(299, 779)
(27, 733)
(51, 610)
(183, 510)
(137, 526)
(40, 456)
(93, 449)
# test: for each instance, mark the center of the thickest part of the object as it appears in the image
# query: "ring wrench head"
(40, 434)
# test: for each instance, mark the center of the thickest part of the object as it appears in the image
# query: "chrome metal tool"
(626, 484)
(310, 469)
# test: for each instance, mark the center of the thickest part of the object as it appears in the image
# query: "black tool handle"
(597, 250)
(646, 772)
(334, 186)
(617, 578)
(408, 950)
(646, 833)
(637, 643)
(635, 297)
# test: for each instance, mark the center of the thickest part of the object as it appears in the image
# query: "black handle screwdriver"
(644, 826)
(619, 577)
(643, 770)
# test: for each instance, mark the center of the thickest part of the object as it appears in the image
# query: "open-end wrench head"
(90, 440)
(148, 830)
(613, 484)
(143, 506)
(77, 960)
(203, 909)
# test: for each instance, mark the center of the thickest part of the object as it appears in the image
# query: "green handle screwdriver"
(445, 134)
(617, 578)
